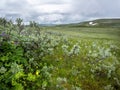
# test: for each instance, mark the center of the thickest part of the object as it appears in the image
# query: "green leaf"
(3, 70)
(31, 77)
(44, 84)
(4, 58)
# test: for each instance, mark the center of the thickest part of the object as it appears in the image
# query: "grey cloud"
(52, 11)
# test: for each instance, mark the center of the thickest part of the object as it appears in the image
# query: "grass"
(67, 58)
(87, 32)
(77, 69)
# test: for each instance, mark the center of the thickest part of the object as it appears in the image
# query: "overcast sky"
(59, 11)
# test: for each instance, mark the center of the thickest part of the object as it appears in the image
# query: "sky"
(59, 11)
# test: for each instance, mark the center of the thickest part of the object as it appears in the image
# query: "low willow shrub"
(21, 66)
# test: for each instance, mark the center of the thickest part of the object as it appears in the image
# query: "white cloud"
(51, 18)
(61, 11)
(46, 8)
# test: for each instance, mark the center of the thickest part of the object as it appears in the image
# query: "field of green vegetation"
(62, 57)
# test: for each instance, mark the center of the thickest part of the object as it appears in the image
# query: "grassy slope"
(87, 36)
(105, 29)
(100, 23)
(88, 32)
(76, 69)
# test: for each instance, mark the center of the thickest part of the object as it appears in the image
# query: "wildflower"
(3, 34)
(12, 42)
(60, 58)
(37, 72)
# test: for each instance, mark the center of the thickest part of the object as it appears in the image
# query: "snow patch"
(92, 23)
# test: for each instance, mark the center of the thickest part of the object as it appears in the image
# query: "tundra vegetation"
(34, 57)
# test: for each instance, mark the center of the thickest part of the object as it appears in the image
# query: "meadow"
(62, 57)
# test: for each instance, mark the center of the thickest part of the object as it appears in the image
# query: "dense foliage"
(36, 59)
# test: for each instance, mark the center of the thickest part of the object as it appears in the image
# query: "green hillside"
(97, 23)
(104, 29)
(63, 57)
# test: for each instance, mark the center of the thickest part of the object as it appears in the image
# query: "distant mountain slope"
(104, 23)
(97, 23)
